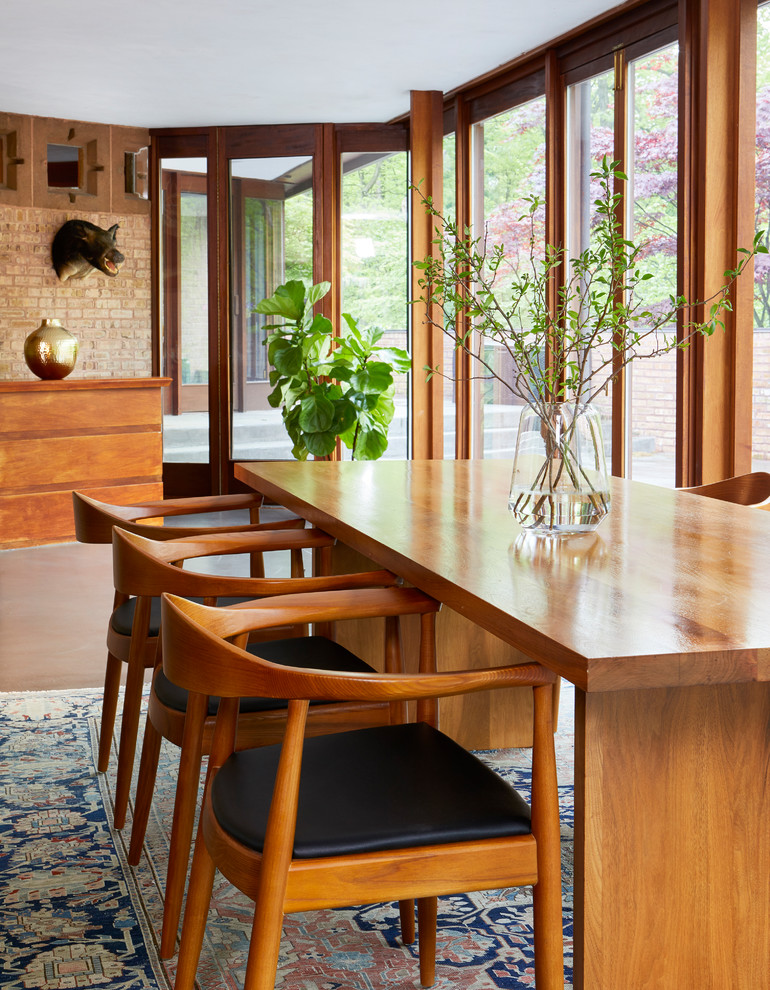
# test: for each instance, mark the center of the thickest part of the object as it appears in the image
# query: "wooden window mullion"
(620, 437)
(426, 145)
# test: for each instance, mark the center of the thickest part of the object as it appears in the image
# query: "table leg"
(672, 838)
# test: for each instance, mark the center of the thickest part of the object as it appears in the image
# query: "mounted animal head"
(81, 248)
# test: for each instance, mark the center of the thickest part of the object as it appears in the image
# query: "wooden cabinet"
(102, 436)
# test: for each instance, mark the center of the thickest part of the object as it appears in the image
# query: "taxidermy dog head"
(81, 248)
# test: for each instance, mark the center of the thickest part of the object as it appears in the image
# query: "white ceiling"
(164, 63)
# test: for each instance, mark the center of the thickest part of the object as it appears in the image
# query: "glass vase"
(560, 484)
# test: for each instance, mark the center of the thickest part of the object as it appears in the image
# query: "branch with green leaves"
(574, 349)
(329, 385)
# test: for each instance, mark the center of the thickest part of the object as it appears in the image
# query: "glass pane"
(760, 437)
(375, 263)
(509, 165)
(184, 309)
(652, 221)
(271, 204)
(591, 126)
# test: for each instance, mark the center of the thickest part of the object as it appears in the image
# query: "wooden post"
(716, 183)
(426, 145)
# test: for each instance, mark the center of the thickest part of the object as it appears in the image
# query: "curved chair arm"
(150, 567)
(746, 489)
(94, 520)
(223, 668)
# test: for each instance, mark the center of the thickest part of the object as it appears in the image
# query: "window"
(631, 116)
(184, 326)
(508, 168)
(271, 223)
(375, 263)
(652, 221)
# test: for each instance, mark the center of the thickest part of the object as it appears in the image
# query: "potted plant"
(329, 385)
(566, 352)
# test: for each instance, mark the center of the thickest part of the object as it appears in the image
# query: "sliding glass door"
(271, 242)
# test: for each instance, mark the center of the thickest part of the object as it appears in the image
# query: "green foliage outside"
(298, 237)
(375, 242)
(600, 308)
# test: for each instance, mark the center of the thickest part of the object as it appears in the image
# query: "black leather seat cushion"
(372, 789)
(123, 617)
(316, 652)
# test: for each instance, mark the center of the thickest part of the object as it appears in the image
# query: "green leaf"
(397, 357)
(375, 376)
(370, 445)
(345, 415)
(321, 325)
(286, 358)
(316, 413)
(316, 292)
(320, 444)
(288, 300)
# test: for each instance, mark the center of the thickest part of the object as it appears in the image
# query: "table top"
(669, 591)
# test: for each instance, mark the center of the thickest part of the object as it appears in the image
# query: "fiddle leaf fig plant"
(329, 385)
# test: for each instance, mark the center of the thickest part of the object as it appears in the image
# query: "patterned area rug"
(74, 914)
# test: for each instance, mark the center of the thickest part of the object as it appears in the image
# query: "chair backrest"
(745, 489)
(145, 567)
(224, 668)
(94, 520)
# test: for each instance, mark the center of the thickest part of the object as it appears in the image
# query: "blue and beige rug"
(74, 914)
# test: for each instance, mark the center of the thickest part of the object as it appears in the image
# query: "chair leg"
(546, 893)
(427, 910)
(148, 771)
(129, 730)
(548, 941)
(180, 840)
(112, 677)
(406, 914)
(265, 944)
(195, 915)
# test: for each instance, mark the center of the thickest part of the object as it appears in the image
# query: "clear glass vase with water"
(560, 484)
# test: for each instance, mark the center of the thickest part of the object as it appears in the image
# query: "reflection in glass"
(63, 166)
(184, 309)
(271, 203)
(508, 166)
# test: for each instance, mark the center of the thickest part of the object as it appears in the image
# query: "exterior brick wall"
(760, 447)
(109, 316)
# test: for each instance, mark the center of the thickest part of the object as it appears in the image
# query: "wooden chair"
(94, 521)
(381, 814)
(144, 568)
(745, 489)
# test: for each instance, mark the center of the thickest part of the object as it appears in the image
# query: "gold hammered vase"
(51, 351)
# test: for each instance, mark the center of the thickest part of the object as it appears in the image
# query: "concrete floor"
(55, 602)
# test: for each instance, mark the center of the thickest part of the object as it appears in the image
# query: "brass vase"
(51, 351)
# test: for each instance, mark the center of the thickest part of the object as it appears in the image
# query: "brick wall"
(109, 316)
(654, 412)
(761, 419)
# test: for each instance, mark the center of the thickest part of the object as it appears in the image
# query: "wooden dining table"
(661, 620)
